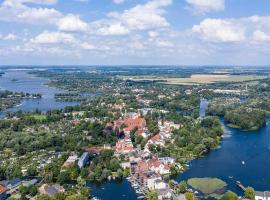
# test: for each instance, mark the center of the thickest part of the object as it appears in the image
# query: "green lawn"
(39, 117)
(206, 185)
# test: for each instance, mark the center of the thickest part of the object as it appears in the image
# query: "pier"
(239, 184)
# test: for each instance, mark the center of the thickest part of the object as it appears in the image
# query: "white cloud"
(10, 36)
(139, 18)
(261, 36)
(113, 29)
(54, 38)
(118, 1)
(71, 23)
(16, 11)
(204, 6)
(219, 30)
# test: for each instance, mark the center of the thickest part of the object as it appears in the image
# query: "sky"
(139, 32)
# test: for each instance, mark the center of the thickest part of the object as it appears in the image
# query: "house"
(131, 124)
(94, 151)
(3, 192)
(84, 159)
(167, 160)
(30, 183)
(164, 194)
(158, 167)
(51, 190)
(157, 140)
(143, 133)
(159, 185)
(124, 146)
(262, 195)
(70, 161)
(151, 181)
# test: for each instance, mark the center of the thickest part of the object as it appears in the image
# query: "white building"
(262, 195)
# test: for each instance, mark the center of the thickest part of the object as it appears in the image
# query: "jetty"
(239, 184)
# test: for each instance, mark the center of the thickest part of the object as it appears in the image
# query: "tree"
(64, 177)
(229, 196)
(250, 193)
(182, 187)
(151, 195)
(190, 196)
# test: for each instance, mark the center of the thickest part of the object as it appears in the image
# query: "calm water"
(114, 190)
(28, 83)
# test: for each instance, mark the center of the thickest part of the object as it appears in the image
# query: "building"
(132, 124)
(3, 192)
(124, 146)
(30, 183)
(51, 190)
(164, 194)
(14, 183)
(70, 161)
(84, 159)
(262, 195)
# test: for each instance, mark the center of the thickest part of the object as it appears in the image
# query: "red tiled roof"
(156, 138)
(134, 123)
(2, 189)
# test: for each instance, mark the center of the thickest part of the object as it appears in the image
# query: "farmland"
(197, 79)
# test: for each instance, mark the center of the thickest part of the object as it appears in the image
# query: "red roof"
(134, 123)
(156, 138)
(2, 189)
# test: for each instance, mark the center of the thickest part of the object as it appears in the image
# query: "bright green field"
(39, 117)
(206, 185)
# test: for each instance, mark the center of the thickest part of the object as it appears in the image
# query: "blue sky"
(147, 32)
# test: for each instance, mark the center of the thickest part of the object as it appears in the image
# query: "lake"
(25, 82)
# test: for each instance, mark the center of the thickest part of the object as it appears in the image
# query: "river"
(25, 82)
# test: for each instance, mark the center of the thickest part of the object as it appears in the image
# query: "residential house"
(164, 194)
(158, 167)
(131, 124)
(124, 146)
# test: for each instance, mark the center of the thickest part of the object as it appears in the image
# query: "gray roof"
(263, 194)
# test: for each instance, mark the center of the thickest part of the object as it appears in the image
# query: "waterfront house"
(84, 159)
(158, 167)
(3, 192)
(262, 195)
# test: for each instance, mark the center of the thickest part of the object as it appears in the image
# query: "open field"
(197, 79)
(206, 185)
(39, 116)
